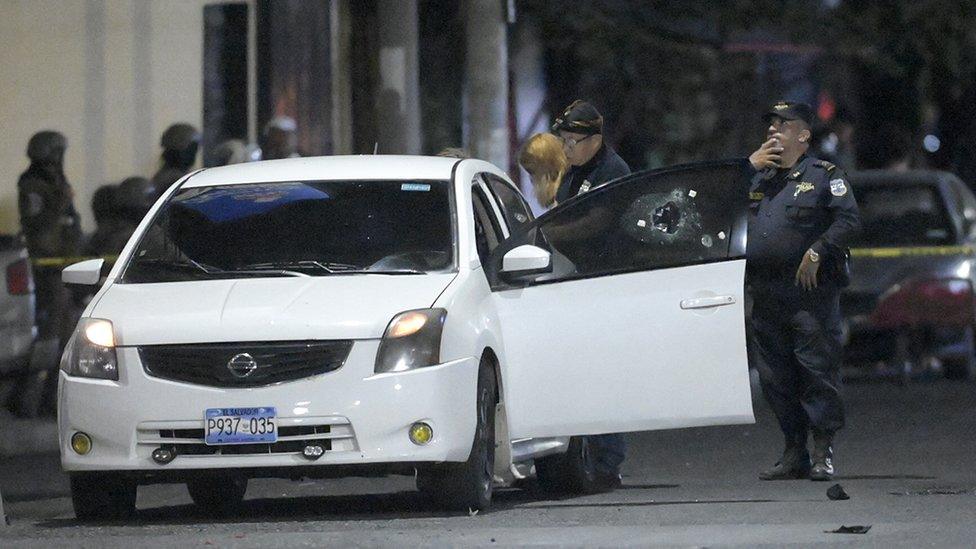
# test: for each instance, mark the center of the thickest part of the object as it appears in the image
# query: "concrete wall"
(110, 74)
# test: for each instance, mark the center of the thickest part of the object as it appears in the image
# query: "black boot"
(823, 457)
(794, 464)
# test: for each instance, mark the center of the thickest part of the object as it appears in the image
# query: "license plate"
(240, 425)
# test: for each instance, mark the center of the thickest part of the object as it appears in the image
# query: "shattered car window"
(903, 216)
(649, 221)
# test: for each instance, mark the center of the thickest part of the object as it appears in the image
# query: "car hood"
(264, 309)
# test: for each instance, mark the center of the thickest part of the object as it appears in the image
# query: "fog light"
(163, 455)
(81, 443)
(421, 433)
(313, 451)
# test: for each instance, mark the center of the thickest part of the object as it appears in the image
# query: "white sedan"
(339, 315)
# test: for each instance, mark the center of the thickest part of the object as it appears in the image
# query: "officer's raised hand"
(768, 155)
(806, 275)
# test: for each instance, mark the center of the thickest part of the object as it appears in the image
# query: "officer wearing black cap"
(592, 162)
(802, 218)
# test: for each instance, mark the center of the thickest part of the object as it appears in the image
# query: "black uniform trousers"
(797, 348)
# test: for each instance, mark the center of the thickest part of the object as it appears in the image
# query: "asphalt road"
(907, 459)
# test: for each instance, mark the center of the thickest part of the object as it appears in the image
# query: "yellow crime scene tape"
(911, 251)
(65, 261)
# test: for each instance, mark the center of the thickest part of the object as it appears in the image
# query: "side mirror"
(86, 273)
(526, 260)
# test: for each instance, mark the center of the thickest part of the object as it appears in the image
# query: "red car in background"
(910, 306)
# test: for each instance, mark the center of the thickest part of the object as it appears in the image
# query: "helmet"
(135, 194)
(232, 151)
(46, 146)
(179, 137)
(103, 202)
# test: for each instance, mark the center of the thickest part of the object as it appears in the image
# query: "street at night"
(905, 459)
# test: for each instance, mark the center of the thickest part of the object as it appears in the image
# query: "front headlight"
(91, 350)
(412, 340)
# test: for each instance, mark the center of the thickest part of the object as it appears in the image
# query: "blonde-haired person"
(543, 157)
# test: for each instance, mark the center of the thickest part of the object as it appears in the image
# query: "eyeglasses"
(569, 142)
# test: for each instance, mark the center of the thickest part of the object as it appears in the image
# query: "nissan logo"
(242, 365)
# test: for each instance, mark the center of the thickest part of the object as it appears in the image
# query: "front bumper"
(364, 416)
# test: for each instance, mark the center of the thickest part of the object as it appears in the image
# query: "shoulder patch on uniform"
(838, 187)
(585, 187)
(756, 195)
(825, 165)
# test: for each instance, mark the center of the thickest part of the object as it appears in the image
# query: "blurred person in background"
(543, 158)
(180, 143)
(52, 231)
(51, 226)
(453, 152)
(280, 139)
(107, 221)
(592, 161)
(235, 151)
(802, 217)
(835, 141)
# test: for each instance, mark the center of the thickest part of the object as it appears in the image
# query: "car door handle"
(707, 302)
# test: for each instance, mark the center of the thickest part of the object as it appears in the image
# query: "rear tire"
(468, 486)
(102, 496)
(571, 473)
(963, 367)
(218, 495)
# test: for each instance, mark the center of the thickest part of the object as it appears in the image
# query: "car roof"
(870, 178)
(318, 168)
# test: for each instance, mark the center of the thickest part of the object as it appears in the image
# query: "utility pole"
(486, 81)
(3, 517)
(340, 49)
(398, 98)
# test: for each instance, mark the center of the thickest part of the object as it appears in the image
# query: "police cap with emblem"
(790, 110)
(579, 117)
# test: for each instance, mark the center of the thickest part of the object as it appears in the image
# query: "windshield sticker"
(220, 204)
(421, 187)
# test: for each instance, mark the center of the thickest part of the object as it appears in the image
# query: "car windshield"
(902, 216)
(313, 228)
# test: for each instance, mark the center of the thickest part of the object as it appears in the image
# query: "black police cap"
(579, 117)
(790, 110)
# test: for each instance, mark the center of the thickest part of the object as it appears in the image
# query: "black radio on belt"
(837, 267)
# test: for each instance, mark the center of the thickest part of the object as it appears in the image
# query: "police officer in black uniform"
(802, 217)
(180, 144)
(51, 228)
(592, 162)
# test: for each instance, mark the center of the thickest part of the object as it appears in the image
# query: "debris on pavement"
(850, 530)
(836, 492)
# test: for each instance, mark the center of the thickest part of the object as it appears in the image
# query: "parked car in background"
(911, 304)
(328, 316)
(17, 328)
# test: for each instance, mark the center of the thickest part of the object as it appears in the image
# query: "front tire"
(218, 496)
(468, 486)
(102, 496)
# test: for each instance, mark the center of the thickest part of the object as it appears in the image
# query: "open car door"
(640, 323)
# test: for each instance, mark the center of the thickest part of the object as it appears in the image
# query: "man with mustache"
(802, 218)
